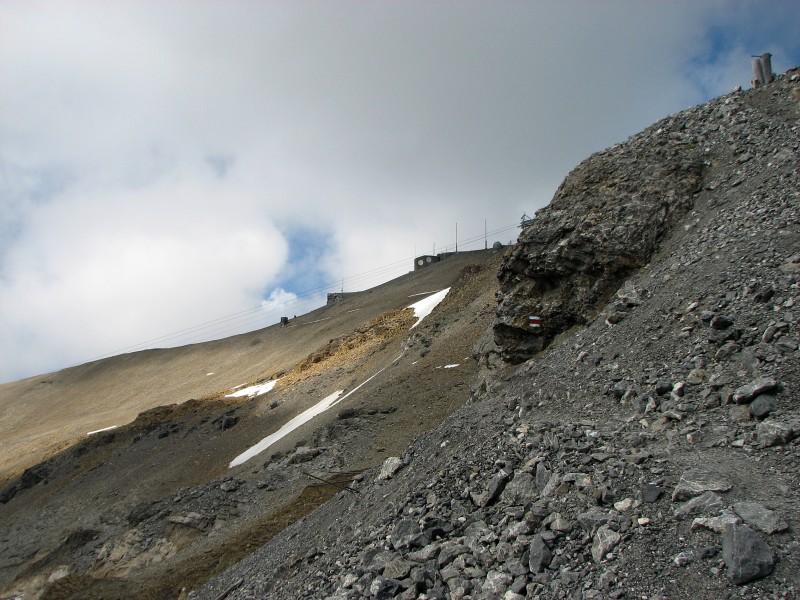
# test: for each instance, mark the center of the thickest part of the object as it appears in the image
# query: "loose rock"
(693, 483)
(746, 555)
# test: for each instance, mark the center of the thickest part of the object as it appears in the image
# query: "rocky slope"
(644, 442)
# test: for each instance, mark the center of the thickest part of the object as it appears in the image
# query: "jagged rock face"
(605, 221)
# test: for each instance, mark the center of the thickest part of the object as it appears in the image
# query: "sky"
(175, 171)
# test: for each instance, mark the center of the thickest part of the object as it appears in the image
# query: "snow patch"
(305, 416)
(101, 430)
(253, 390)
(287, 428)
(425, 306)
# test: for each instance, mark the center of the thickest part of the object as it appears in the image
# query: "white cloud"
(99, 272)
(156, 157)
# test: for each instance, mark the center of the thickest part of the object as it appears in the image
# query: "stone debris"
(716, 524)
(634, 445)
(762, 405)
(604, 540)
(304, 454)
(651, 492)
(539, 555)
(707, 503)
(776, 433)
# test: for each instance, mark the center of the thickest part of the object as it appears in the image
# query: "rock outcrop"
(606, 220)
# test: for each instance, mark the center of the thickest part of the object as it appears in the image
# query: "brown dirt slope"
(114, 391)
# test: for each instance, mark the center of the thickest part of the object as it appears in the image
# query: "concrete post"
(766, 67)
(758, 74)
(762, 70)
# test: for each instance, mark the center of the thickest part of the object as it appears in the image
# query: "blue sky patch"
(304, 273)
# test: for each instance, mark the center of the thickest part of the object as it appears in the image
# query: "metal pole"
(485, 238)
(456, 236)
